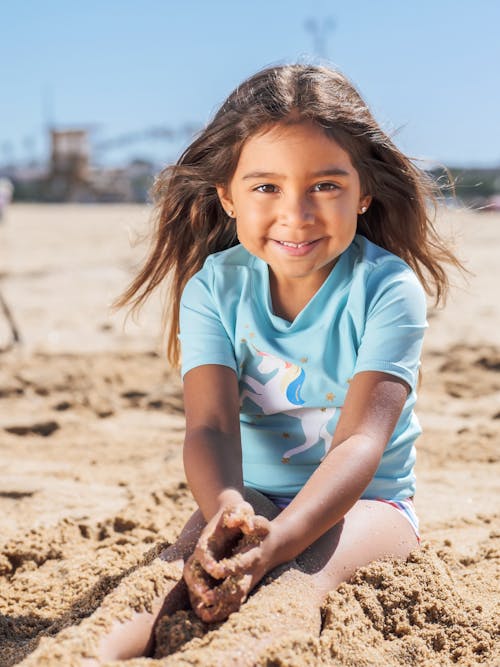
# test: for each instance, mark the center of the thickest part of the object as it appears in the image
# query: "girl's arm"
(212, 446)
(213, 467)
(371, 410)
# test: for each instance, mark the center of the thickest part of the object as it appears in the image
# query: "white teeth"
(294, 245)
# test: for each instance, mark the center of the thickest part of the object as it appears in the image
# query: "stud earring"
(230, 213)
(364, 209)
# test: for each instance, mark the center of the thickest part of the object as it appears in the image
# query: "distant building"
(68, 177)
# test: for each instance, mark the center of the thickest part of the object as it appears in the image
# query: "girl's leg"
(134, 637)
(371, 530)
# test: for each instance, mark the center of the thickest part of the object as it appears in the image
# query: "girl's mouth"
(295, 245)
(296, 249)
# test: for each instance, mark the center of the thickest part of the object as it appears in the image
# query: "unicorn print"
(314, 422)
(281, 393)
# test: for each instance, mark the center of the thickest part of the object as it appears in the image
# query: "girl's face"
(295, 196)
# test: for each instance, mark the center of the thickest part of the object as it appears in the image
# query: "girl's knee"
(326, 581)
(186, 542)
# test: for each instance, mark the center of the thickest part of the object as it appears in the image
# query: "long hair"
(190, 223)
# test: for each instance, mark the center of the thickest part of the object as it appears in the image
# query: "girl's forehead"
(288, 130)
(282, 141)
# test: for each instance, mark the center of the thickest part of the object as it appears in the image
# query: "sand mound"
(406, 614)
(391, 613)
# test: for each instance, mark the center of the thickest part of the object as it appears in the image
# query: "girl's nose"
(296, 211)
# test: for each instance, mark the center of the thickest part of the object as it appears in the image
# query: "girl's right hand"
(227, 563)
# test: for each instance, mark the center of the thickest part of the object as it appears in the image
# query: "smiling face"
(295, 196)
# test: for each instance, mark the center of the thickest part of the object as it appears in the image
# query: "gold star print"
(304, 360)
(330, 396)
(243, 340)
(285, 435)
(349, 380)
(323, 409)
(251, 335)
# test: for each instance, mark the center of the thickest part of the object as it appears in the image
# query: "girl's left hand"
(231, 557)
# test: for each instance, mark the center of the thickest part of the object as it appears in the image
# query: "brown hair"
(190, 222)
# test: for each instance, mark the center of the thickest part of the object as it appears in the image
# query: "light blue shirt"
(369, 315)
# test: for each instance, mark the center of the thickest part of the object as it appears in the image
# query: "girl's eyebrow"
(330, 171)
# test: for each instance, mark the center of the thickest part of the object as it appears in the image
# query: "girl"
(297, 244)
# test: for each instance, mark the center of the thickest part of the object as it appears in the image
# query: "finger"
(197, 580)
(218, 542)
(223, 600)
(222, 540)
(248, 523)
(216, 614)
(246, 555)
(236, 531)
(261, 526)
(204, 556)
(214, 566)
(202, 588)
(217, 537)
(238, 564)
(239, 516)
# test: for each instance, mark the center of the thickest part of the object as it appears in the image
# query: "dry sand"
(91, 482)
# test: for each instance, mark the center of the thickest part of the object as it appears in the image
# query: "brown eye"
(267, 188)
(325, 187)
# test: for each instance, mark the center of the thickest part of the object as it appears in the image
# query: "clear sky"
(428, 68)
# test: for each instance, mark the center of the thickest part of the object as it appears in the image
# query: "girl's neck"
(290, 298)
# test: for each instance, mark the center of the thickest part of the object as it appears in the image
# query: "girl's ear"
(225, 199)
(364, 204)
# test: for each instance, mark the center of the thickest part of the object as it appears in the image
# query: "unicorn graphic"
(281, 393)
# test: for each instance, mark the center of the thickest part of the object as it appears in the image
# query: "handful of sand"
(224, 565)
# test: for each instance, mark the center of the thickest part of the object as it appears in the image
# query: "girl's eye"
(267, 188)
(325, 187)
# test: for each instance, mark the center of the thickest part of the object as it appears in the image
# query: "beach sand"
(92, 488)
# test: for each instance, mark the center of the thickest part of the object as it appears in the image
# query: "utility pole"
(319, 29)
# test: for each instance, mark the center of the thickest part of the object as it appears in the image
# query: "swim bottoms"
(406, 507)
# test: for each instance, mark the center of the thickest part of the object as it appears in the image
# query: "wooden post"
(16, 338)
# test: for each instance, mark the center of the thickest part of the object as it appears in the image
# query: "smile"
(295, 245)
(291, 249)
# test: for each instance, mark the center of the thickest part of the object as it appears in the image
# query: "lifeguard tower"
(68, 178)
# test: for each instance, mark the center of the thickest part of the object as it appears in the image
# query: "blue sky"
(428, 68)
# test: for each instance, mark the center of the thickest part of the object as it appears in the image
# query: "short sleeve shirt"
(369, 315)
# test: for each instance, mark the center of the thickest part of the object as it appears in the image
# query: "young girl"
(297, 245)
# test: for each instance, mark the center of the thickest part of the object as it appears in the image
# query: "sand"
(92, 488)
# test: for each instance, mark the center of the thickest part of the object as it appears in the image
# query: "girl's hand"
(231, 557)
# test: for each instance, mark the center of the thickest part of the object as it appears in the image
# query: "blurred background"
(98, 96)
